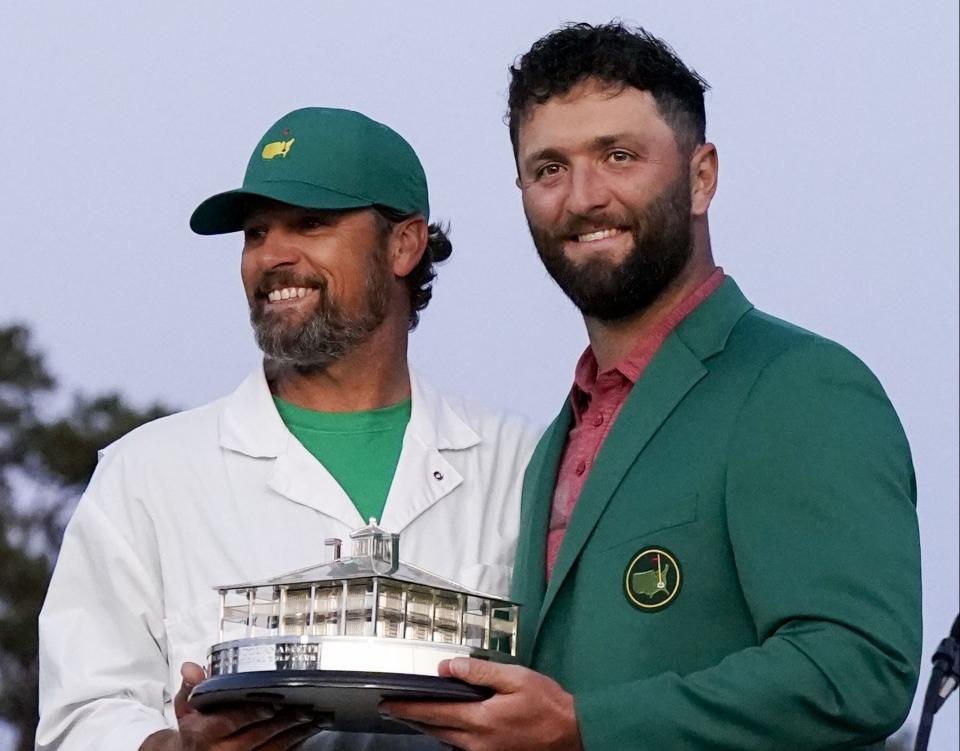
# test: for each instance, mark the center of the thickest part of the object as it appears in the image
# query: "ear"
(407, 244)
(703, 178)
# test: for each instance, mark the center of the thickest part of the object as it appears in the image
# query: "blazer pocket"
(639, 522)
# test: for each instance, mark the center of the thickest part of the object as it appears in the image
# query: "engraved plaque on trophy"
(341, 637)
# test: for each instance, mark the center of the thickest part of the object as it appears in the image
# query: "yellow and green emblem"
(652, 579)
(277, 148)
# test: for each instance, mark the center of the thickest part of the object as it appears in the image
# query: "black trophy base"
(345, 700)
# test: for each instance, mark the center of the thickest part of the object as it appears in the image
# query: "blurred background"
(836, 125)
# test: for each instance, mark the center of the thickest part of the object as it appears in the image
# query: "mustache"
(582, 224)
(274, 278)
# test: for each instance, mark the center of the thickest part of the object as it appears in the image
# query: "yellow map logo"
(277, 148)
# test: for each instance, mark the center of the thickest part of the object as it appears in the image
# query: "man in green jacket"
(719, 545)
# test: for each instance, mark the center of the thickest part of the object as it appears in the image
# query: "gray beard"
(329, 333)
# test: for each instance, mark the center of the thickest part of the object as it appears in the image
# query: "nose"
(277, 248)
(268, 253)
(588, 190)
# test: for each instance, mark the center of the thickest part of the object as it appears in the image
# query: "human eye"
(620, 156)
(315, 221)
(254, 232)
(547, 171)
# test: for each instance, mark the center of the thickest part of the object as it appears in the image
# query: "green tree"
(44, 464)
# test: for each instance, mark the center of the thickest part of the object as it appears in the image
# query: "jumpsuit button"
(581, 468)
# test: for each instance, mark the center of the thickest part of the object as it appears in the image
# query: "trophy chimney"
(333, 544)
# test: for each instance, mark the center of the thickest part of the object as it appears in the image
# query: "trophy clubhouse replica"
(341, 637)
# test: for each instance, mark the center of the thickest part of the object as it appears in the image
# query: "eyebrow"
(605, 142)
(547, 154)
(599, 143)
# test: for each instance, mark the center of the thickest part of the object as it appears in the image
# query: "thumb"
(503, 679)
(192, 674)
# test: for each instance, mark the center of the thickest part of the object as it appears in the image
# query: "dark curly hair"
(420, 280)
(617, 55)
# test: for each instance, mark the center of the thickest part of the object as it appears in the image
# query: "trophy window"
(368, 607)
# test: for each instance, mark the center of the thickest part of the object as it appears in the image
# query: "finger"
(192, 674)
(442, 733)
(450, 715)
(504, 679)
(207, 732)
(266, 734)
(226, 722)
(291, 738)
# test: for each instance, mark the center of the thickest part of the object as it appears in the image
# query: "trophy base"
(345, 700)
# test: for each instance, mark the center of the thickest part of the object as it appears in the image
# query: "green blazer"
(742, 569)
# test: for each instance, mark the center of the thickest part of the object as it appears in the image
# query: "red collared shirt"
(597, 399)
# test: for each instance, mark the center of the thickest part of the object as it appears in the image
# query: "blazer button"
(437, 475)
(581, 468)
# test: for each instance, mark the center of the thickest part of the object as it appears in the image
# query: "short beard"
(329, 333)
(662, 245)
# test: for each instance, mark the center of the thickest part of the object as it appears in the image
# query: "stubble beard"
(608, 291)
(329, 332)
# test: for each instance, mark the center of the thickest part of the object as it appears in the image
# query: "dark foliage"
(44, 464)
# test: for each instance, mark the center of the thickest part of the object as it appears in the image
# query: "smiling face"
(606, 192)
(317, 282)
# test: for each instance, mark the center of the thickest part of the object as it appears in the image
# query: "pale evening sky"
(836, 125)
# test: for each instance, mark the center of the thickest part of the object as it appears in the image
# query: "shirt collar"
(250, 423)
(587, 381)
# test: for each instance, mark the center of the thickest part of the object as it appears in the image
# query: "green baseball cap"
(322, 158)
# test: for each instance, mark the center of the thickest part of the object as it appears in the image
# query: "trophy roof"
(375, 554)
(365, 567)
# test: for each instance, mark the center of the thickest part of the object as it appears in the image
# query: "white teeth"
(598, 235)
(287, 293)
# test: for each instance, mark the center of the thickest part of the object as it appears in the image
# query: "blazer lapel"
(674, 370)
(529, 572)
(670, 375)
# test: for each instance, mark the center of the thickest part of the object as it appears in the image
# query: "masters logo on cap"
(322, 158)
(277, 148)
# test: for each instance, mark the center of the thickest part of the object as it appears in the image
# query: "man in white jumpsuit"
(337, 262)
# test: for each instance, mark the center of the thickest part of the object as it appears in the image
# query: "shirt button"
(581, 468)
(598, 421)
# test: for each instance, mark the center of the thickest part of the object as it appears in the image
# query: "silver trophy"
(343, 636)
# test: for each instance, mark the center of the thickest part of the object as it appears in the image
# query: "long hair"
(420, 280)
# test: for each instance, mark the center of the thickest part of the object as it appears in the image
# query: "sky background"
(836, 125)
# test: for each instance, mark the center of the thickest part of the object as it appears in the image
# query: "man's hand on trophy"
(241, 728)
(529, 711)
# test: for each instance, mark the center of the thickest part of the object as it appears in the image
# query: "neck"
(612, 341)
(372, 375)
